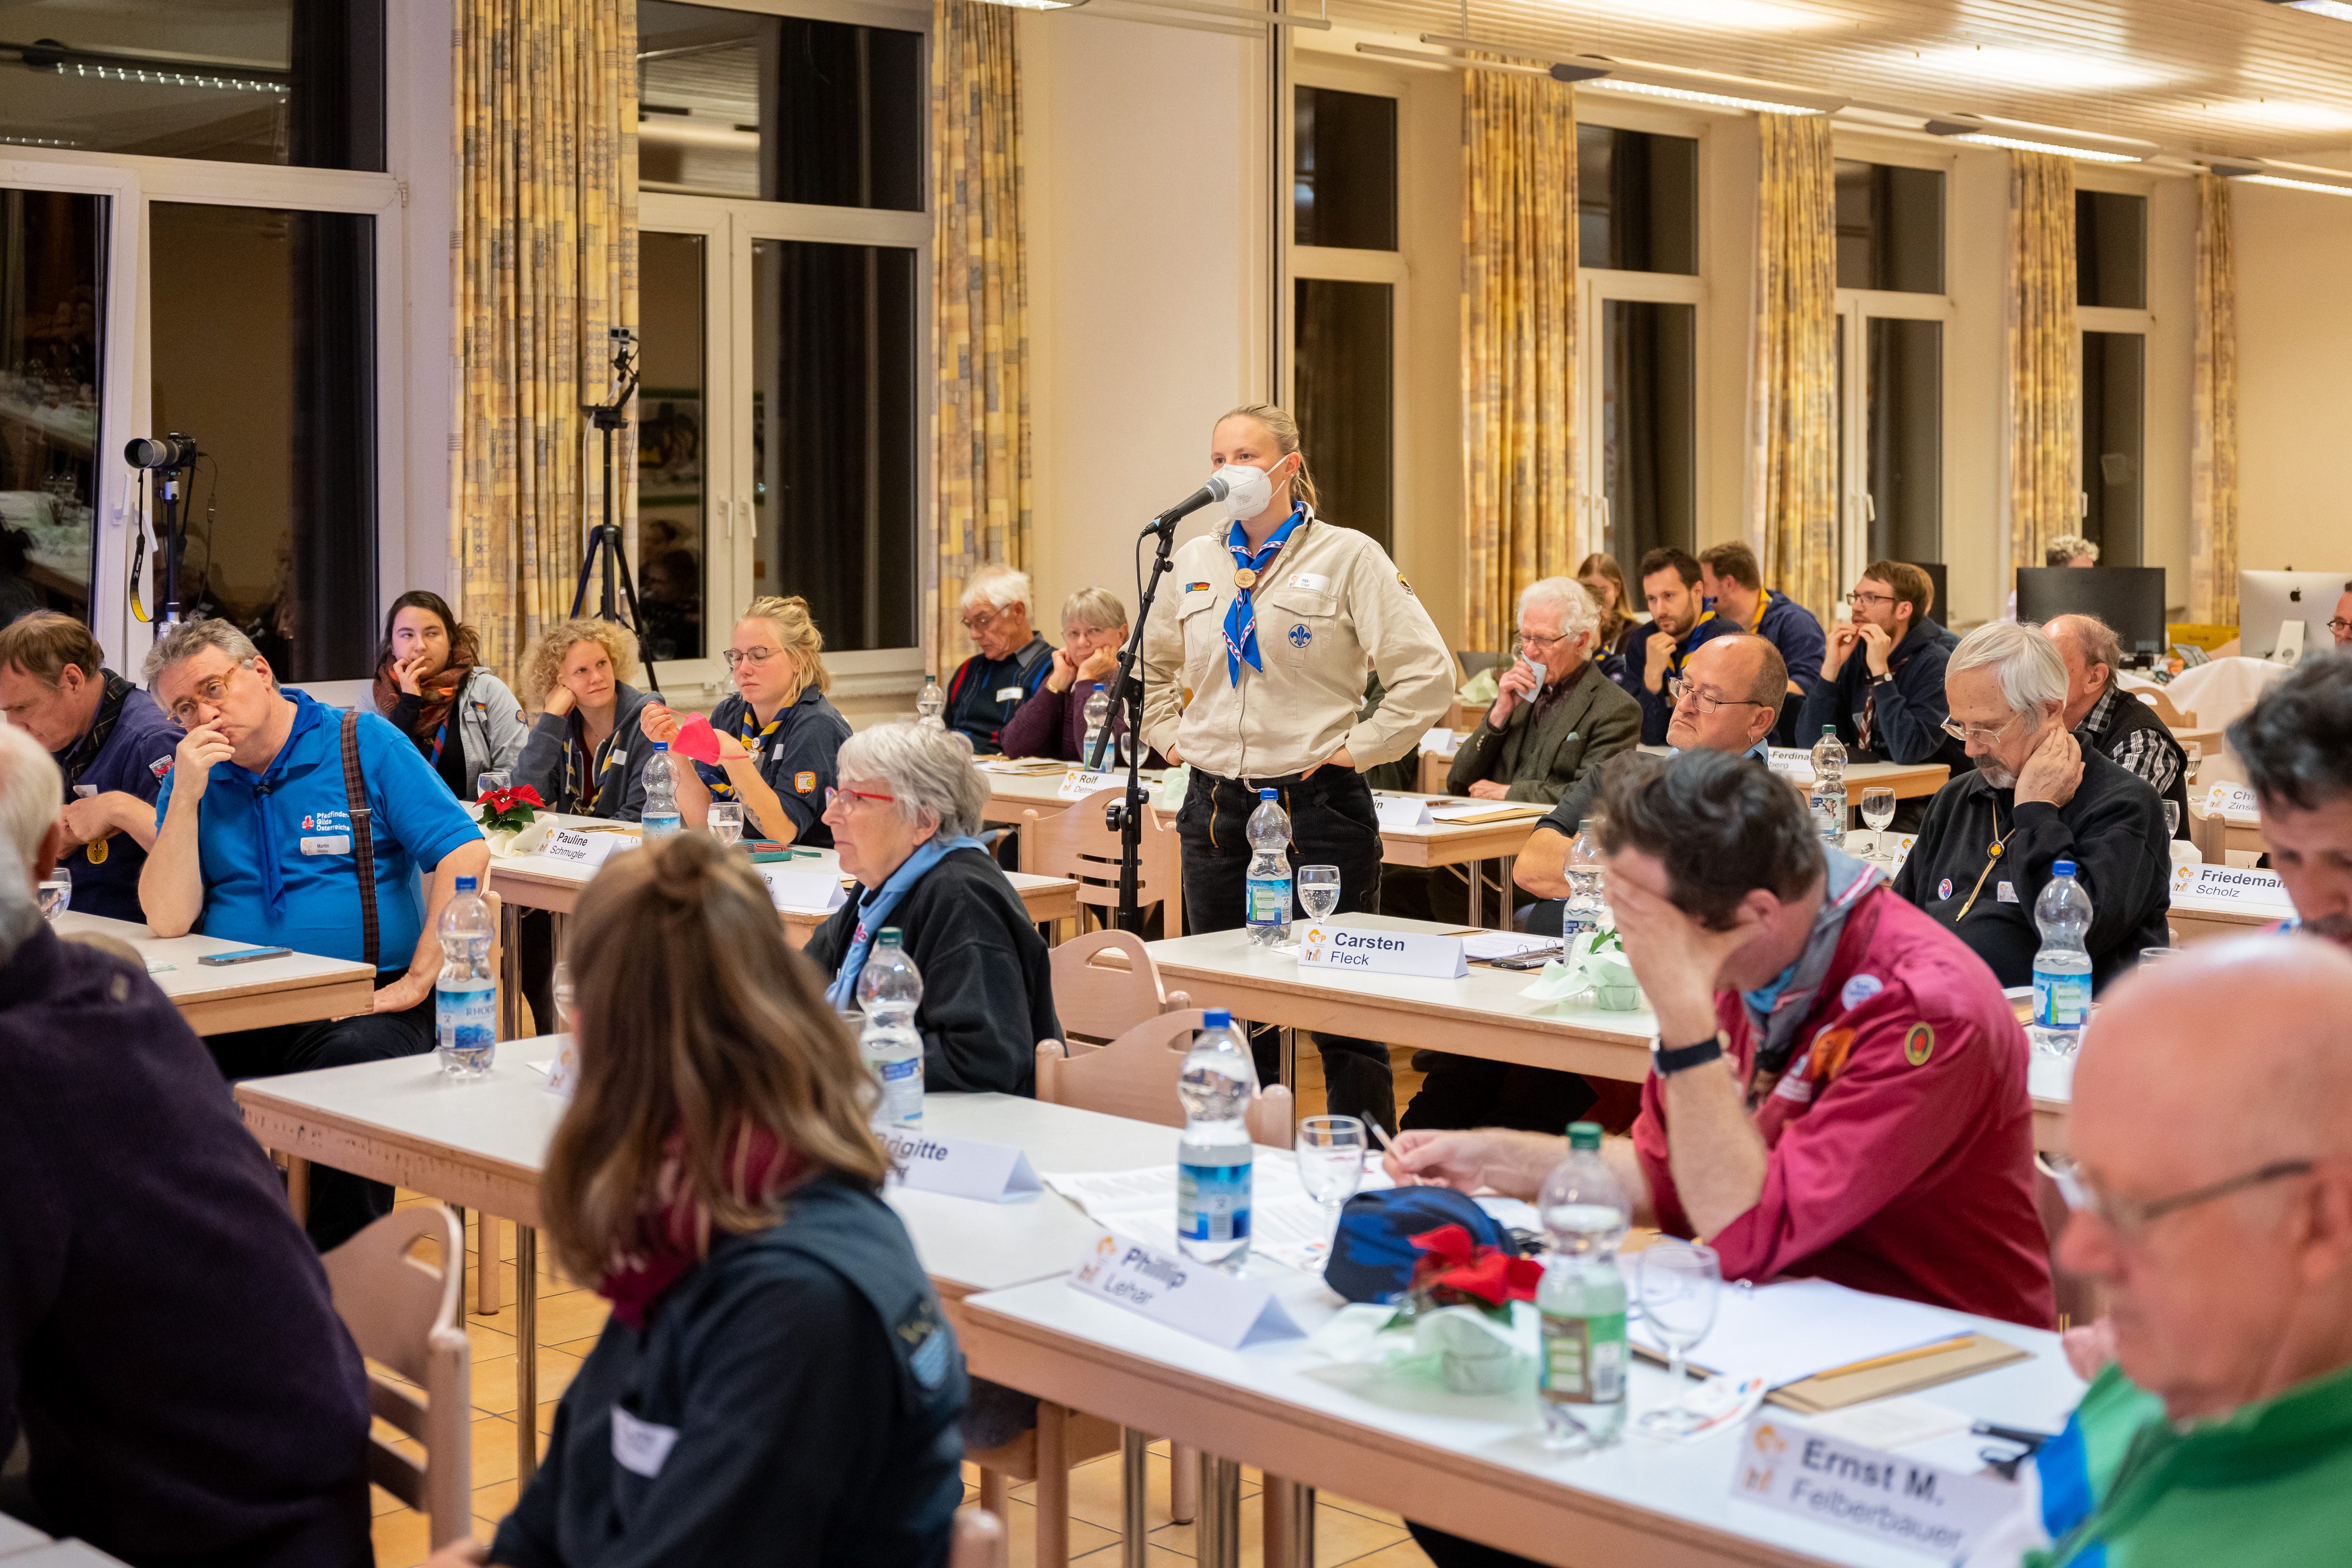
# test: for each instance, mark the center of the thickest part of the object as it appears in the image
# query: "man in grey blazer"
(1557, 717)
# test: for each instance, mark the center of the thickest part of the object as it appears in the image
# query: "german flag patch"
(1920, 1044)
(1196, 588)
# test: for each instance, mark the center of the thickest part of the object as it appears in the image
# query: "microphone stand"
(1126, 816)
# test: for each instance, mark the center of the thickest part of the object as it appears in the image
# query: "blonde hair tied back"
(796, 635)
(1285, 431)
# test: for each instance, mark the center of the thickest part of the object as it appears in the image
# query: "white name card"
(1383, 952)
(1793, 763)
(1869, 1492)
(2232, 800)
(1077, 783)
(563, 1070)
(959, 1167)
(2257, 892)
(1227, 1309)
(1440, 741)
(1902, 852)
(591, 850)
(1402, 813)
(789, 889)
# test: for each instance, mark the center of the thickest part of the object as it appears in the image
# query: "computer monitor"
(1940, 610)
(2265, 599)
(2128, 597)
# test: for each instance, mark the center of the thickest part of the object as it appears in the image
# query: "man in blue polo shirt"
(111, 742)
(256, 843)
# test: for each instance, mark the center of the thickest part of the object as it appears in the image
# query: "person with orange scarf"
(428, 683)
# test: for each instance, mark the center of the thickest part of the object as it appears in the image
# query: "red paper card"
(696, 739)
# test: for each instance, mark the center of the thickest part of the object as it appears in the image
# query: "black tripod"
(605, 538)
(1126, 816)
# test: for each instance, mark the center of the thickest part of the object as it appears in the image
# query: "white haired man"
(2035, 797)
(1557, 717)
(1012, 663)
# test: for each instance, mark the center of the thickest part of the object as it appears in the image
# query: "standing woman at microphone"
(1270, 621)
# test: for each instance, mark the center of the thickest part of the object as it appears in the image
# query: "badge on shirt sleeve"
(1403, 584)
(161, 766)
(928, 1348)
(1858, 990)
(641, 1448)
(1920, 1044)
(2005, 891)
(803, 781)
(1944, 888)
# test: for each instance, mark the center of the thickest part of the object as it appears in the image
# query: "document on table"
(1787, 1333)
(1493, 944)
(1487, 811)
(1286, 1224)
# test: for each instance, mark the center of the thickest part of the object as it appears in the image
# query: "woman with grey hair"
(1053, 722)
(903, 819)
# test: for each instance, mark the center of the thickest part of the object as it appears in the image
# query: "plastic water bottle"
(889, 988)
(1213, 1158)
(1827, 797)
(1581, 1377)
(1266, 890)
(660, 815)
(1097, 715)
(929, 704)
(1584, 907)
(466, 996)
(2061, 969)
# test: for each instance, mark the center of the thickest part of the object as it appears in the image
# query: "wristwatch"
(1672, 1059)
(1880, 680)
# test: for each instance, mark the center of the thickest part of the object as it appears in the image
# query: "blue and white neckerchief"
(1241, 615)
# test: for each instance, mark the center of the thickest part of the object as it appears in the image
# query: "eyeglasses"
(207, 694)
(1858, 599)
(2128, 1219)
(735, 656)
(846, 798)
(1678, 688)
(1980, 733)
(1528, 640)
(2339, 626)
(976, 624)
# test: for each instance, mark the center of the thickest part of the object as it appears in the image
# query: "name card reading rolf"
(1229, 1310)
(2234, 800)
(1383, 952)
(591, 850)
(789, 889)
(1402, 813)
(1078, 783)
(1869, 1492)
(2241, 887)
(1793, 763)
(959, 1167)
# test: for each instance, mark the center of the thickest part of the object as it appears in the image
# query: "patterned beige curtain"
(981, 309)
(1793, 411)
(1519, 343)
(543, 263)
(2045, 357)
(2213, 464)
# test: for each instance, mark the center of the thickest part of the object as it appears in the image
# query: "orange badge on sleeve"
(803, 782)
(1920, 1044)
(1827, 1059)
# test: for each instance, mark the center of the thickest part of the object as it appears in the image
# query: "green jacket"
(1592, 721)
(2269, 1486)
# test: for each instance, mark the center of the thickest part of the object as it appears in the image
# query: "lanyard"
(1993, 859)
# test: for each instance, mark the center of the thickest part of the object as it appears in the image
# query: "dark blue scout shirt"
(277, 850)
(1657, 708)
(135, 759)
(984, 694)
(794, 758)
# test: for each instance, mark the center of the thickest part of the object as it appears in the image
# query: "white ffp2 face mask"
(1249, 488)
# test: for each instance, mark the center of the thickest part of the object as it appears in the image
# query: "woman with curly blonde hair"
(585, 754)
(777, 735)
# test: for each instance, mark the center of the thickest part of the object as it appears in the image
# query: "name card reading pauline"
(1402, 813)
(2234, 800)
(1869, 1492)
(1229, 1310)
(1078, 783)
(1383, 952)
(1793, 763)
(818, 890)
(959, 1167)
(2241, 887)
(580, 848)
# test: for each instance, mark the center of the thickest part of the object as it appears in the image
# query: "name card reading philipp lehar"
(959, 1167)
(1869, 1492)
(1383, 952)
(1227, 1309)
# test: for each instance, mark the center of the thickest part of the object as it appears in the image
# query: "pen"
(1938, 1348)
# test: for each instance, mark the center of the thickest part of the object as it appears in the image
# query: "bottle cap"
(2063, 868)
(661, 746)
(1217, 1018)
(466, 884)
(1584, 1135)
(1267, 794)
(1829, 729)
(891, 936)
(1584, 825)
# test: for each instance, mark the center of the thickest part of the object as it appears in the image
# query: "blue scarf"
(874, 908)
(1241, 615)
(307, 712)
(1778, 1007)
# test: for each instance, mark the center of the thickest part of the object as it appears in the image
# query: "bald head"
(1748, 676)
(2093, 653)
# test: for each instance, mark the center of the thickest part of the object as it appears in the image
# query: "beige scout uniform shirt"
(1332, 604)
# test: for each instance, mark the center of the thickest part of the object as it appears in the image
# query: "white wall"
(421, 156)
(2294, 379)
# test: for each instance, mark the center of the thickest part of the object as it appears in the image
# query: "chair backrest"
(2080, 1299)
(1078, 843)
(1135, 1076)
(978, 1540)
(2209, 834)
(1105, 983)
(2162, 707)
(403, 1314)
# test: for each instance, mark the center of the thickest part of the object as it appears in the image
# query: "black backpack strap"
(363, 832)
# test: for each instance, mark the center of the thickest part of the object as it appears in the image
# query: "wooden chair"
(1078, 844)
(2080, 1299)
(1105, 983)
(2209, 834)
(402, 1313)
(2162, 707)
(978, 1540)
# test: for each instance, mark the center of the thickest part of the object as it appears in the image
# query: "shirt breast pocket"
(1197, 620)
(1298, 625)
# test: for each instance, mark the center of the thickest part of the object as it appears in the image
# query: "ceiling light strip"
(2020, 144)
(2284, 184)
(1452, 62)
(1692, 95)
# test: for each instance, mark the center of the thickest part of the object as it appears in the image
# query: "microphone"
(1207, 495)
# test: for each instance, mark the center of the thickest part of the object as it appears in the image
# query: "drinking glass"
(491, 778)
(2172, 818)
(1877, 810)
(1319, 890)
(1331, 1163)
(56, 893)
(725, 820)
(1675, 1283)
(559, 992)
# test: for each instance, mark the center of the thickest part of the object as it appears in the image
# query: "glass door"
(52, 376)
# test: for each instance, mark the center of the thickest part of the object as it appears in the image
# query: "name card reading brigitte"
(818, 890)
(1869, 1492)
(2232, 801)
(591, 850)
(1383, 952)
(1402, 813)
(2242, 887)
(1229, 1310)
(1078, 783)
(959, 1167)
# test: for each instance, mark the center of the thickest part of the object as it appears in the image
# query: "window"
(1346, 402)
(673, 531)
(2115, 391)
(261, 82)
(1903, 507)
(263, 350)
(2110, 250)
(778, 109)
(1636, 201)
(52, 287)
(1890, 227)
(1648, 425)
(1344, 181)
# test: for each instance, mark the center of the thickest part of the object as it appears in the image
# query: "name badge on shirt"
(2005, 893)
(327, 844)
(1313, 581)
(1008, 693)
(641, 1448)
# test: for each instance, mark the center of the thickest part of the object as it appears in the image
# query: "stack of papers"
(1787, 1333)
(1492, 944)
(1286, 1225)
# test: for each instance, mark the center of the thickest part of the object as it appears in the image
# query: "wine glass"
(1331, 1163)
(491, 778)
(56, 893)
(1319, 891)
(2172, 818)
(560, 996)
(1877, 810)
(725, 820)
(1676, 1283)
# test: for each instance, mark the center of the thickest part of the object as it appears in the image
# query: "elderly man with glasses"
(1011, 663)
(1556, 717)
(2214, 1207)
(2036, 796)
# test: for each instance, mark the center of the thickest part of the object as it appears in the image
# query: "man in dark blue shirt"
(1678, 623)
(1013, 662)
(1882, 677)
(1729, 576)
(112, 746)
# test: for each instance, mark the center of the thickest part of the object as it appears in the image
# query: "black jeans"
(1453, 1551)
(1331, 823)
(342, 1204)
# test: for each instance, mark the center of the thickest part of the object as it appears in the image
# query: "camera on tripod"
(172, 451)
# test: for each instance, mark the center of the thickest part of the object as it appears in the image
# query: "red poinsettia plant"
(1455, 1272)
(509, 811)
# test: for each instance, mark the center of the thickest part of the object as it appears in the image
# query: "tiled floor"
(571, 1317)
